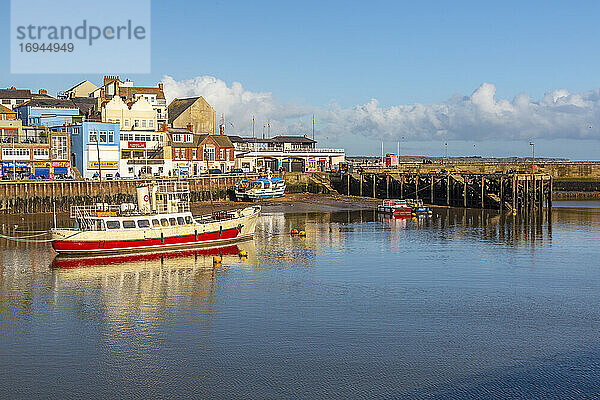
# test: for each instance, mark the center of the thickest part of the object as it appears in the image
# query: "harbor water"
(464, 304)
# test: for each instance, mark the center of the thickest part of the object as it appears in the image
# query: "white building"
(142, 140)
(289, 153)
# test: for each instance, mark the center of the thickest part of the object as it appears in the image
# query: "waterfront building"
(92, 141)
(193, 111)
(141, 137)
(114, 87)
(13, 97)
(37, 152)
(195, 153)
(82, 89)
(48, 112)
(289, 153)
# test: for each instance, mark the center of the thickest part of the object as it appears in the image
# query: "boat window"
(267, 185)
(180, 220)
(188, 219)
(172, 221)
(128, 224)
(143, 223)
(164, 222)
(113, 224)
(155, 223)
(99, 225)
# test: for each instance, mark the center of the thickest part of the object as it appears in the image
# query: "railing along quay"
(31, 196)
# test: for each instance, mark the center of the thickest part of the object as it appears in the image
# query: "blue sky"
(318, 54)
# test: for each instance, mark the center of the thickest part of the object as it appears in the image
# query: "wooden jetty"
(31, 196)
(514, 191)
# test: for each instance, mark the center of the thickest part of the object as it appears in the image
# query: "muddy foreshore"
(295, 202)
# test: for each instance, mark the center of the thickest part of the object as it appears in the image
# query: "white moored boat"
(260, 188)
(161, 220)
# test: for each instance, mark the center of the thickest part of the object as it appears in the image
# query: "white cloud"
(480, 116)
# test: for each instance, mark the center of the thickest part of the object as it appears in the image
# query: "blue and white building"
(90, 140)
(48, 112)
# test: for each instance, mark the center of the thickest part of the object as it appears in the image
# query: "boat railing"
(96, 210)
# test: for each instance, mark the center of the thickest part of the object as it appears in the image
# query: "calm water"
(468, 304)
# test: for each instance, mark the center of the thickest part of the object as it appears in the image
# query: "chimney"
(165, 127)
(190, 128)
(160, 87)
(43, 91)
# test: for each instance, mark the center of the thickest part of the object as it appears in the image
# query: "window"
(60, 148)
(209, 151)
(41, 153)
(143, 223)
(155, 223)
(193, 154)
(126, 123)
(180, 221)
(172, 221)
(151, 123)
(177, 137)
(187, 138)
(6, 101)
(223, 152)
(128, 224)
(113, 224)
(188, 219)
(76, 130)
(93, 137)
(102, 136)
(143, 123)
(164, 222)
(111, 137)
(7, 152)
(136, 123)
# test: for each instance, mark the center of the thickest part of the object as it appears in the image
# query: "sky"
(485, 77)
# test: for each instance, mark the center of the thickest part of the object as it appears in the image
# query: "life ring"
(146, 197)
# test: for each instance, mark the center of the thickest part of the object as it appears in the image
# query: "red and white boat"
(396, 207)
(160, 221)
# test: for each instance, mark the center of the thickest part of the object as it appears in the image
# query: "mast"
(313, 127)
(212, 206)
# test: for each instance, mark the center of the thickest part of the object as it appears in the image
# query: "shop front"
(16, 170)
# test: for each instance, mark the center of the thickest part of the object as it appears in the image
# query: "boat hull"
(214, 233)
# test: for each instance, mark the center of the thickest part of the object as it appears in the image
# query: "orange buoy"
(217, 260)
(294, 231)
(301, 233)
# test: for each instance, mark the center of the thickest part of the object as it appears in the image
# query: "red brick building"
(193, 154)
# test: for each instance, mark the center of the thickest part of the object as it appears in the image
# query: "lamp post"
(532, 156)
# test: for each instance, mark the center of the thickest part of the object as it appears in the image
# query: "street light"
(532, 156)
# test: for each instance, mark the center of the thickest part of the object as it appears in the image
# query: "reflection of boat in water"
(406, 207)
(230, 255)
(161, 220)
(261, 188)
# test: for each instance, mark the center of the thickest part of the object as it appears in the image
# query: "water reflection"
(446, 306)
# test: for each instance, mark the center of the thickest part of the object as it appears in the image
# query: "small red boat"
(395, 206)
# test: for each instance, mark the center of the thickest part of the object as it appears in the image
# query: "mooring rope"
(25, 239)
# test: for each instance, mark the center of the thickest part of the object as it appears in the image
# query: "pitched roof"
(178, 106)
(80, 83)
(48, 102)
(291, 139)
(130, 91)
(276, 139)
(15, 94)
(6, 110)
(222, 140)
(85, 104)
(196, 138)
